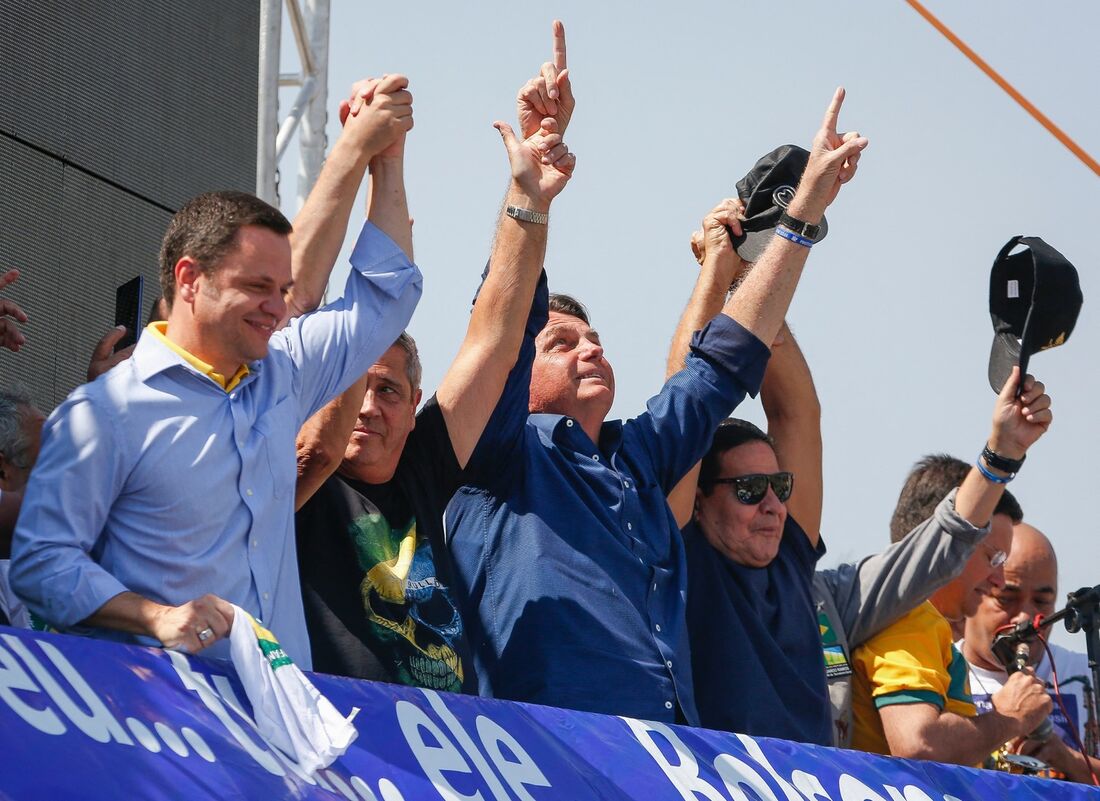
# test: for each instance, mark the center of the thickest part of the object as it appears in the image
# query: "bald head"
(1031, 588)
(1029, 546)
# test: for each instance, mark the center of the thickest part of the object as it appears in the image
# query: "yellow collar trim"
(159, 330)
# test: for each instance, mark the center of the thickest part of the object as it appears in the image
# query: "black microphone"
(1046, 728)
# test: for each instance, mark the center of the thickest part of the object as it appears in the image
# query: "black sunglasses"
(752, 488)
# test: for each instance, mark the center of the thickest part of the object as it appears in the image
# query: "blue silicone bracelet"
(995, 479)
(793, 237)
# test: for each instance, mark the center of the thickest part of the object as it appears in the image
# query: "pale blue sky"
(676, 101)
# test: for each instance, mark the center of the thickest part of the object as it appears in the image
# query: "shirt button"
(595, 457)
(627, 483)
(629, 527)
(658, 626)
(655, 586)
(248, 492)
(668, 705)
(256, 542)
(267, 597)
(668, 664)
(568, 423)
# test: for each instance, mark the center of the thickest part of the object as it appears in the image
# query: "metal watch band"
(526, 215)
(1002, 463)
(800, 227)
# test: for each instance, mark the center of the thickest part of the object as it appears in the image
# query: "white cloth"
(289, 711)
(1070, 664)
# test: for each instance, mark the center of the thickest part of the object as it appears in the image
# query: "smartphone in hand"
(128, 310)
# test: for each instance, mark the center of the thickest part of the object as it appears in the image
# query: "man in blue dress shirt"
(164, 490)
(568, 560)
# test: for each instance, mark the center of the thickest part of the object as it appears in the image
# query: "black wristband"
(1002, 463)
(800, 227)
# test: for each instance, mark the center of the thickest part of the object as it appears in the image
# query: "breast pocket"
(273, 436)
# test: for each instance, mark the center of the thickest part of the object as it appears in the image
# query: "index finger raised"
(832, 114)
(559, 45)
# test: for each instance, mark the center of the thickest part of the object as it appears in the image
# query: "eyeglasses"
(996, 558)
(752, 488)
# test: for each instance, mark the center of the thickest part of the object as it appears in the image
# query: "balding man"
(1031, 588)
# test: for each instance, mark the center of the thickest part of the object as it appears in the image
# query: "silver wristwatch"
(526, 215)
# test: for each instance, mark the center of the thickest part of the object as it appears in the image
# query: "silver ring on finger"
(206, 634)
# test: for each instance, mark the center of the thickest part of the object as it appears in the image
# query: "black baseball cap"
(766, 191)
(1034, 298)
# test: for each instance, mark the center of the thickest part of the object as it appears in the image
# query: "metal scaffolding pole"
(267, 122)
(312, 142)
(309, 23)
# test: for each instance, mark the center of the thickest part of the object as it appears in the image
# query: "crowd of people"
(503, 537)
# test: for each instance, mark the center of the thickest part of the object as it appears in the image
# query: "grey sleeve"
(877, 591)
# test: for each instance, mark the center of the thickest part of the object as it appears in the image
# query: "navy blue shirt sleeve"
(725, 363)
(501, 441)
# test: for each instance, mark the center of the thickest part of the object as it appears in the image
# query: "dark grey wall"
(112, 114)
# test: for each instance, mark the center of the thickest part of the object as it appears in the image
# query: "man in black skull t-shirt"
(371, 553)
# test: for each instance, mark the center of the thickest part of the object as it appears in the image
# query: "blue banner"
(85, 719)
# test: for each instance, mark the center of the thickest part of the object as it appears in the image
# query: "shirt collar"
(561, 430)
(156, 353)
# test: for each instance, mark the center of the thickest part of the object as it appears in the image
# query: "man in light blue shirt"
(164, 490)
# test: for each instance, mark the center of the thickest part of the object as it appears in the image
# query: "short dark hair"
(929, 482)
(567, 304)
(206, 230)
(731, 433)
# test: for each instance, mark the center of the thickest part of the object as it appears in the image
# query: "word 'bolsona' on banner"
(88, 719)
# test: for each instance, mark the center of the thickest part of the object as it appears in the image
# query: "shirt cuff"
(94, 587)
(956, 525)
(732, 347)
(375, 254)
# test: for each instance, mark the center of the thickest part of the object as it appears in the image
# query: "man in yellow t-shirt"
(911, 696)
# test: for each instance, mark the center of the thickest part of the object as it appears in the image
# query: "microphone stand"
(1081, 613)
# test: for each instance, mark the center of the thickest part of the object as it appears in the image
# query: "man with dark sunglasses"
(760, 618)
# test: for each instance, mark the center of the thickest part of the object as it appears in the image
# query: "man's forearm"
(387, 203)
(762, 300)
(706, 301)
(891, 583)
(127, 612)
(321, 225)
(952, 738)
(977, 498)
(323, 439)
(473, 384)
(794, 423)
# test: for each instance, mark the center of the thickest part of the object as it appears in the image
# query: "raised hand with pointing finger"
(548, 94)
(833, 160)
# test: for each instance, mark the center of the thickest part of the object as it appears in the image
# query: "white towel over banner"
(289, 711)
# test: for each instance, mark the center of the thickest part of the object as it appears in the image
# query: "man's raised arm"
(719, 267)
(375, 118)
(891, 583)
(541, 166)
(761, 302)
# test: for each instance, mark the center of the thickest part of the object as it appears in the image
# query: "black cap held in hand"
(767, 190)
(1034, 298)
